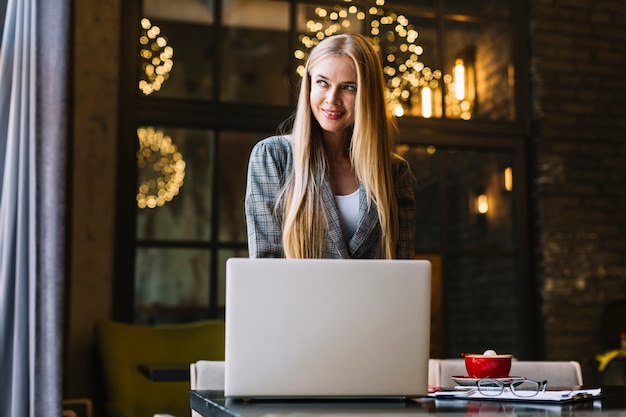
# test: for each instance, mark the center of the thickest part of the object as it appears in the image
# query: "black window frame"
(136, 110)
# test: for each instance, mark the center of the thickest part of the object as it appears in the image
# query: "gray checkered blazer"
(270, 163)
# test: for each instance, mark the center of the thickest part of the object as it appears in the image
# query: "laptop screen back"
(327, 328)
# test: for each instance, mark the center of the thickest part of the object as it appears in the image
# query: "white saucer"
(468, 380)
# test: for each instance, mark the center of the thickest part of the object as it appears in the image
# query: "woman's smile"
(333, 114)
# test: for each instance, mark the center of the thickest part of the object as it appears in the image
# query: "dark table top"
(213, 404)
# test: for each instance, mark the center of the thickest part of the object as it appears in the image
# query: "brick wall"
(578, 90)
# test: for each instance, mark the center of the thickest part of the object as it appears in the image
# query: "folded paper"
(466, 393)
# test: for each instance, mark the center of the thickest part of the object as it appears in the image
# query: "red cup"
(487, 366)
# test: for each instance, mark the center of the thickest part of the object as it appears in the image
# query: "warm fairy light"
(156, 57)
(508, 179)
(411, 85)
(459, 79)
(394, 37)
(482, 204)
(160, 166)
(427, 109)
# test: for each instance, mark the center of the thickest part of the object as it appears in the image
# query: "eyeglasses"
(517, 387)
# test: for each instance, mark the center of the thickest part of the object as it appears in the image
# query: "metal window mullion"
(214, 236)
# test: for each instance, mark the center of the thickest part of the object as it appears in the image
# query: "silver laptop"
(327, 328)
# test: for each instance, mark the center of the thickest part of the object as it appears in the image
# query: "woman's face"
(333, 94)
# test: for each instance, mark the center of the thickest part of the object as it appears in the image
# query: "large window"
(468, 213)
(204, 80)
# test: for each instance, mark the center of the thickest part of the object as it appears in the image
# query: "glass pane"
(317, 21)
(480, 203)
(254, 52)
(424, 161)
(481, 304)
(481, 81)
(171, 285)
(479, 7)
(409, 55)
(177, 44)
(196, 11)
(407, 45)
(234, 151)
(174, 184)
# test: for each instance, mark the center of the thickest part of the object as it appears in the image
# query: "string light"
(156, 57)
(327, 22)
(411, 86)
(396, 39)
(161, 168)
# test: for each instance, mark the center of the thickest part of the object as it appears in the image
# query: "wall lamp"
(482, 204)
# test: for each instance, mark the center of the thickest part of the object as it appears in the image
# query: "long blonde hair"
(305, 221)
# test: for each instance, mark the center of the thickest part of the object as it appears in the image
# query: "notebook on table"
(324, 328)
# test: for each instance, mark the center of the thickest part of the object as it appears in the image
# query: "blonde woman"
(332, 187)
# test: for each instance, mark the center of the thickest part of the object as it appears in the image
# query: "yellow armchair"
(123, 347)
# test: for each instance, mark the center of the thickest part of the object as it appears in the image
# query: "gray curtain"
(34, 68)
